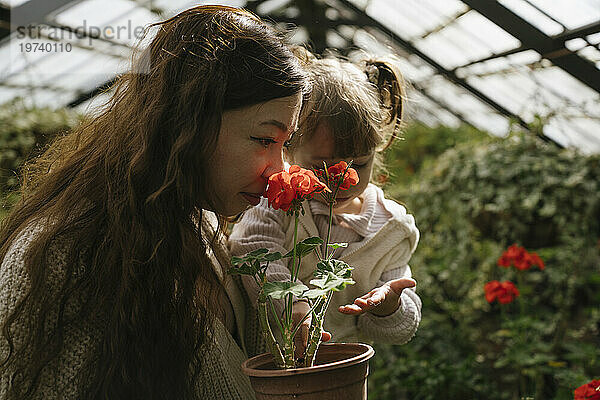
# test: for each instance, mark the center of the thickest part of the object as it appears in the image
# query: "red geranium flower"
(280, 192)
(520, 258)
(505, 292)
(504, 260)
(341, 172)
(536, 260)
(287, 189)
(589, 391)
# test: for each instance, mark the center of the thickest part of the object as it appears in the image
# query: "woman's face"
(321, 147)
(249, 150)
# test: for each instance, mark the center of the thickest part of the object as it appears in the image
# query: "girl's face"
(249, 150)
(322, 148)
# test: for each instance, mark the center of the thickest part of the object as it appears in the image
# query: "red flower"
(514, 251)
(349, 178)
(280, 192)
(305, 182)
(504, 260)
(537, 261)
(505, 292)
(589, 391)
(520, 258)
(286, 188)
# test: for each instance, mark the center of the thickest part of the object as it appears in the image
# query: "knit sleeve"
(261, 227)
(60, 378)
(399, 327)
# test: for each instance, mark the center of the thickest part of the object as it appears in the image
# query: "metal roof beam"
(580, 32)
(83, 97)
(560, 39)
(365, 19)
(36, 11)
(533, 38)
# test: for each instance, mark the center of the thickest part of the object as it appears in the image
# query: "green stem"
(314, 306)
(294, 269)
(329, 231)
(288, 349)
(275, 315)
(315, 331)
(314, 334)
(272, 344)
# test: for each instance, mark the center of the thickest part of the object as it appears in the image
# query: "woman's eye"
(265, 142)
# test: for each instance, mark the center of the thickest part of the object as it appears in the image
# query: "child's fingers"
(398, 285)
(304, 329)
(361, 302)
(377, 298)
(301, 339)
(367, 295)
(351, 309)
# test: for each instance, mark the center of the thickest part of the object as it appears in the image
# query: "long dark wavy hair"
(123, 194)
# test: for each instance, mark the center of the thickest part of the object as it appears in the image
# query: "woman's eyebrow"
(279, 125)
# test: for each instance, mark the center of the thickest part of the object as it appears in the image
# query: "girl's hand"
(299, 310)
(381, 301)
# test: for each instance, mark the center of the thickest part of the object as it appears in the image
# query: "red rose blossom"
(589, 391)
(505, 292)
(285, 187)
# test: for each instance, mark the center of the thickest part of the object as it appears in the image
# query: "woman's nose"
(275, 164)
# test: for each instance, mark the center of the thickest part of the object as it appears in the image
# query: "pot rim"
(365, 355)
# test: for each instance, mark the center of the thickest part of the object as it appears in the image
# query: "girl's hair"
(121, 196)
(361, 104)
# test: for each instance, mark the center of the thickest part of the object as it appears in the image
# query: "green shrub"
(420, 145)
(470, 204)
(24, 132)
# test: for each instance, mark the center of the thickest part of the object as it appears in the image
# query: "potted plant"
(329, 371)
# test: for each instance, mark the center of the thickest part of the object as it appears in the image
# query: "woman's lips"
(252, 198)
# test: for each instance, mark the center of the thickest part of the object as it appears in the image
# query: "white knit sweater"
(383, 237)
(220, 378)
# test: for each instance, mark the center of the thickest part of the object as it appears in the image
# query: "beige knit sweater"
(221, 376)
(378, 257)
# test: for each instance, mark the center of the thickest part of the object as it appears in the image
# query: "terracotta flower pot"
(340, 372)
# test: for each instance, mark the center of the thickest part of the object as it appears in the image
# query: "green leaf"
(337, 245)
(336, 267)
(306, 246)
(278, 290)
(272, 256)
(332, 282)
(314, 293)
(257, 255)
(244, 269)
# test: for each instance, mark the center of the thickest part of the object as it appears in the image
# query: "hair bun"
(372, 74)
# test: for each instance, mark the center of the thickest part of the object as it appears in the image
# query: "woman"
(109, 287)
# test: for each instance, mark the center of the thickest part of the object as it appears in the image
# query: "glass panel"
(533, 16)
(571, 13)
(13, 3)
(574, 132)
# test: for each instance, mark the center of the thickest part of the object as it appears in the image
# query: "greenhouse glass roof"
(484, 62)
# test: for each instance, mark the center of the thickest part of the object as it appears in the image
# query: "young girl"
(350, 114)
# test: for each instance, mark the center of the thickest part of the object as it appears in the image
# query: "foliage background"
(472, 196)
(24, 131)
